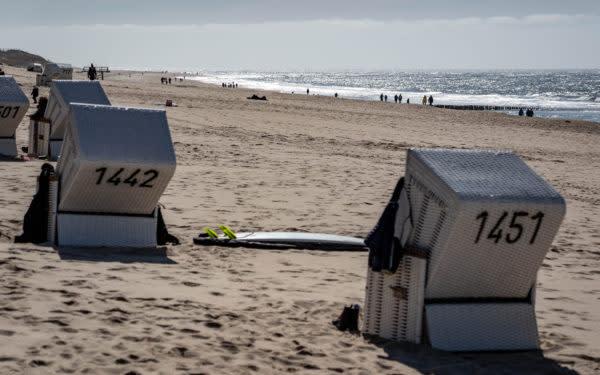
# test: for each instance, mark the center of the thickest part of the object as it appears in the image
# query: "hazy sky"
(308, 34)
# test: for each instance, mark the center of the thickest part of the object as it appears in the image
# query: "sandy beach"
(291, 163)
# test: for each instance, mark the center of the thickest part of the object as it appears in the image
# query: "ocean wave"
(549, 90)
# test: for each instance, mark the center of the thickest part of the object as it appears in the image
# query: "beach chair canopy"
(13, 106)
(485, 218)
(58, 70)
(65, 92)
(114, 160)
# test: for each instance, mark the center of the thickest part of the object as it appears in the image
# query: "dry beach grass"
(294, 162)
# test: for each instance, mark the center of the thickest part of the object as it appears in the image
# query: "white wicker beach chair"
(54, 71)
(115, 164)
(13, 107)
(62, 94)
(486, 222)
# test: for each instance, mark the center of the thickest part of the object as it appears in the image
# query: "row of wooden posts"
(481, 107)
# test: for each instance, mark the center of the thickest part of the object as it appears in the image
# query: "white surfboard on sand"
(299, 237)
(291, 239)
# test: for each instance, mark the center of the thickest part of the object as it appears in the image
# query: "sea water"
(568, 94)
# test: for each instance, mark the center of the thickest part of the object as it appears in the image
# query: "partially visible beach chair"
(62, 94)
(39, 136)
(116, 162)
(54, 71)
(13, 107)
(481, 225)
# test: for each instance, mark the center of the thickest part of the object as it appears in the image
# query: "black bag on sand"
(348, 319)
(35, 222)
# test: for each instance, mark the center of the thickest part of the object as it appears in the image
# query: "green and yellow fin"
(228, 232)
(211, 233)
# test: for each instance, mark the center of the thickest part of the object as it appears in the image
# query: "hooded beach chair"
(54, 71)
(469, 232)
(62, 94)
(116, 162)
(13, 107)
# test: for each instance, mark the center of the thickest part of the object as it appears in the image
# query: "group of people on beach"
(398, 99)
(231, 85)
(167, 80)
(528, 112)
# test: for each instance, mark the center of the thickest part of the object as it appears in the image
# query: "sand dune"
(294, 162)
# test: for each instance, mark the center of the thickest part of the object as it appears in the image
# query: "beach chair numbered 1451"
(479, 226)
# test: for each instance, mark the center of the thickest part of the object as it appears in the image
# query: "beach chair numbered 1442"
(479, 226)
(115, 164)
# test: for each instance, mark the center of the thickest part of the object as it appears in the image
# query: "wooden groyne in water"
(482, 107)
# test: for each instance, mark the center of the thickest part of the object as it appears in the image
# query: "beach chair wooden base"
(482, 326)
(8, 146)
(39, 135)
(99, 230)
(90, 230)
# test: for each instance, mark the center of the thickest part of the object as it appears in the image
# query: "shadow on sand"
(4, 158)
(122, 255)
(436, 362)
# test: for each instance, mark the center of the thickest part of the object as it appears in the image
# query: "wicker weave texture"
(487, 233)
(13, 106)
(115, 160)
(373, 302)
(65, 92)
(106, 230)
(477, 327)
(52, 206)
(390, 315)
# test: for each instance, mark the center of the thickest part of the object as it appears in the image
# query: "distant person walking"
(400, 98)
(520, 111)
(395, 98)
(385, 97)
(34, 93)
(381, 97)
(307, 91)
(430, 99)
(424, 99)
(92, 72)
(407, 100)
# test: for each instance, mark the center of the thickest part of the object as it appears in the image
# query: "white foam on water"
(369, 86)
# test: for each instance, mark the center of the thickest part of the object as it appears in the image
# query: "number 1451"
(515, 229)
